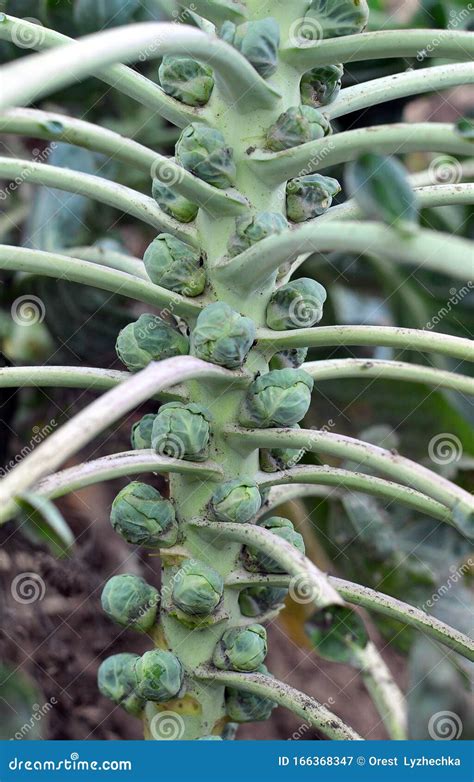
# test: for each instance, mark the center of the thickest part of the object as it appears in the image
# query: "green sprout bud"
(130, 601)
(297, 125)
(256, 560)
(279, 398)
(245, 706)
(273, 459)
(159, 675)
(296, 305)
(257, 600)
(203, 151)
(186, 80)
(309, 196)
(182, 431)
(320, 86)
(337, 633)
(143, 517)
(250, 230)
(149, 339)
(241, 648)
(174, 265)
(222, 336)
(292, 358)
(116, 681)
(236, 501)
(173, 204)
(334, 18)
(257, 41)
(141, 432)
(197, 588)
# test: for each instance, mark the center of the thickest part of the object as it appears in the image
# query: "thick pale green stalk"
(392, 370)
(98, 189)
(119, 77)
(92, 378)
(400, 85)
(312, 712)
(97, 417)
(110, 258)
(277, 167)
(383, 336)
(346, 480)
(87, 273)
(382, 44)
(60, 127)
(392, 464)
(433, 250)
(41, 74)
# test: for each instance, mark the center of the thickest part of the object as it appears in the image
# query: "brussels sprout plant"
(221, 350)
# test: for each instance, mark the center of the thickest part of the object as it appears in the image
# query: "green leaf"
(381, 188)
(337, 633)
(334, 18)
(42, 522)
(20, 701)
(93, 15)
(465, 128)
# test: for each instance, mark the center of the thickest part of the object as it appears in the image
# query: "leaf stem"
(22, 259)
(310, 710)
(382, 688)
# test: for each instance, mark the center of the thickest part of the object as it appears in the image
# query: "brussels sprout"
(256, 560)
(295, 126)
(189, 81)
(309, 196)
(279, 398)
(292, 358)
(236, 501)
(334, 18)
(320, 86)
(337, 633)
(159, 675)
(172, 203)
(116, 680)
(143, 517)
(182, 431)
(141, 432)
(258, 42)
(250, 230)
(244, 706)
(382, 190)
(273, 459)
(130, 601)
(241, 648)
(149, 339)
(222, 336)
(257, 600)
(296, 305)
(197, 588)
(174, 265)
(203, 151)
